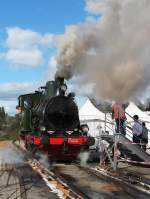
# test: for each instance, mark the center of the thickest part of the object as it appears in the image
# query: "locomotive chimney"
(59, 80)
(62, 87)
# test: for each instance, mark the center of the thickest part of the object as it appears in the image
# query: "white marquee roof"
(132, 110)
(89, 111)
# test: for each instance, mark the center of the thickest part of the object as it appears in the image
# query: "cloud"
(25, 47)
(10, 106)
(19, 38)
(11, 91)
(31, 57)
(47, 40)
(96, 7)
(51, 68)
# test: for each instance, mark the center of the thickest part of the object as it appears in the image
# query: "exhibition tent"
(95, 119)
(132, 110)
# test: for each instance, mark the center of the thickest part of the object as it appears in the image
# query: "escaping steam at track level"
(112, 52)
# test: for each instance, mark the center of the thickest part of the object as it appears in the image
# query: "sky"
(27, 52)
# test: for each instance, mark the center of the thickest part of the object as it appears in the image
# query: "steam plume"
(83, 157)
(113, 52)
(10, 156)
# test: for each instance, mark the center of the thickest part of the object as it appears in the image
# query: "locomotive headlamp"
(42, 128)
(63, 87)
(85, 128)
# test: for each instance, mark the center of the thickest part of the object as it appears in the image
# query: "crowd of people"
(139, 129)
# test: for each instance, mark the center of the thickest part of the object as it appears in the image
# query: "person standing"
(118, 113)
(137, 129)
(144, 136)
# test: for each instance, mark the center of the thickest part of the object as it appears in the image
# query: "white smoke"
(83, 157)
(10, 156)
(43, 159)
(112, 53)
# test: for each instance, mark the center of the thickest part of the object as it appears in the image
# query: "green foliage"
(9, 125)
(12, 123)
(2, 117)
(2, 113)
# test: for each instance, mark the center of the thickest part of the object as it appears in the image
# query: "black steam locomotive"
(50, 122)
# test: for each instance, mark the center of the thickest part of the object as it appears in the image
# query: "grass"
(9, 136)
(6, 137)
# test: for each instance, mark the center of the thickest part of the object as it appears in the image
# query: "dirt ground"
(5, 144)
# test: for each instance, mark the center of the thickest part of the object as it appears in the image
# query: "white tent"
(95, 119)
(88, 112)
(132, 110)
(147, 112)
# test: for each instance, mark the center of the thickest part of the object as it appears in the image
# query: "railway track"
(12, 185)
(21, 182)
(130, 178)
(74, 181)
(53, 181)
(98, 185)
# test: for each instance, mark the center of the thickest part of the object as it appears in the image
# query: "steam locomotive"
(50, 122)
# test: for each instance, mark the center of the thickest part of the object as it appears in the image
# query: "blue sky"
(43, 16)
(26, 50)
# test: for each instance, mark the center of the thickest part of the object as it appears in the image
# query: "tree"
(2, 117)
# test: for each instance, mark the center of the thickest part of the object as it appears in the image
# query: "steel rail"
(52, 180)
(144, 186)
(70, 191)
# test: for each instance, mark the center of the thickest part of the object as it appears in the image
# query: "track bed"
(92, 186)
(27, 180)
